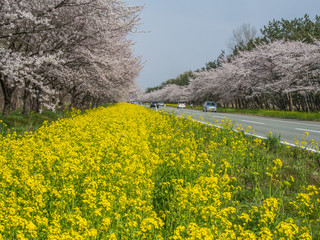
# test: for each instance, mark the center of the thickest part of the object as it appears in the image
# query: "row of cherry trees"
(281, 75)
(58, 51)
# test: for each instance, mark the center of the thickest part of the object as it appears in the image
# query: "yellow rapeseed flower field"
(126, 172)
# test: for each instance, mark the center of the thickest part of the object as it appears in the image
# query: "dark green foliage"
(20, 123)
(215, 63)
(181, 80)
(298, 29)
(273, 143)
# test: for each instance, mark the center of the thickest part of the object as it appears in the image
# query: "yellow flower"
(278, 162)
(287, 229)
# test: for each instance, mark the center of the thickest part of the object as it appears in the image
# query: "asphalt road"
(287, 129)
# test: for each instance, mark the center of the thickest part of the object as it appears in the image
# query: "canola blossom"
(126, 172)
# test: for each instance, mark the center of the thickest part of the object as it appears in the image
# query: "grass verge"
(19, 123)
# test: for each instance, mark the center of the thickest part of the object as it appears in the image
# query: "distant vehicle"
(209, 106)
(153, 104)
(181, 104)
(135, 102)
(160, 104)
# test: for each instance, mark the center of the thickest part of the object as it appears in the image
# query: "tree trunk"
(307, 104)
(26, 99)
(266, 103)
(290, 102)
(14, 101)
(74, 99)
(36, 103)
(7, 93)
(317, 102)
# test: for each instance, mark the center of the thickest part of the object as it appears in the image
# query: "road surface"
(289, 130)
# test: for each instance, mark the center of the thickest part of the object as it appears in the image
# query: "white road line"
(252, 122)
(307, 130)
(293, 121)
(218, 117)
(288, 121)
(258, 136)
(262, 137)
(206, 115)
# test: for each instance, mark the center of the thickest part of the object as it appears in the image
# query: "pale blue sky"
(184, 35)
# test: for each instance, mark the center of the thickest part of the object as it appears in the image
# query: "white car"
(209, 106)
(160, 104)
(181, 104)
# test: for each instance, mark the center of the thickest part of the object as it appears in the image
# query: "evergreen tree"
(298, 29)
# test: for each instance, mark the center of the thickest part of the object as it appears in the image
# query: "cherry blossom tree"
(74, 49)
(281, 74)
(171, 93)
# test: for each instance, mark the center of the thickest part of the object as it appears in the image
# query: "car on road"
(209, 106)
(181, 104)
(160, 104)
(156, 104)
(153, 104)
